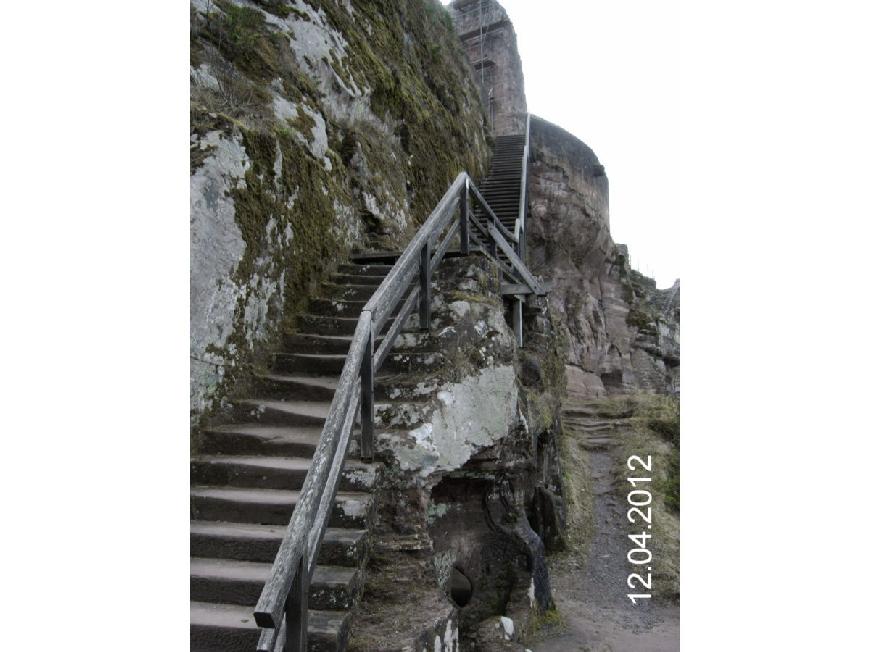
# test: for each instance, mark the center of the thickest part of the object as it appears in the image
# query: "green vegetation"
(279, 8)
(404, 55)
(640, 319)
(547, 620)
(655, 430)
(412, 61)
(242, 36)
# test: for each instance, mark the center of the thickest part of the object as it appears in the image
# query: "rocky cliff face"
(316, 128)
(623, 332)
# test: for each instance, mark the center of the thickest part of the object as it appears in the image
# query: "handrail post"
(490, 221)
(297, 610)
(367, 399)
(425, 287)
(522, 244)
(463, 220)
(518, 321)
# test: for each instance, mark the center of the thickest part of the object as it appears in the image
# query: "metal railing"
(281, 611)
(520, 225)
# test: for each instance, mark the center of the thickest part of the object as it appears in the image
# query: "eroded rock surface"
(623, 333)
(316, 129)
(468, 448)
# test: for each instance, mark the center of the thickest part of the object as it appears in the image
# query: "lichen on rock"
(351, 119)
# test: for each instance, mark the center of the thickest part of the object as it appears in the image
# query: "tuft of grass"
(549, 620)
(654, 430)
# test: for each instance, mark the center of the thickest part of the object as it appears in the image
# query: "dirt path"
(591, 596)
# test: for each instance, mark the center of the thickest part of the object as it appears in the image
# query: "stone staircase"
(597, 425)
(247, 478)
(251, 467)
(502, 186)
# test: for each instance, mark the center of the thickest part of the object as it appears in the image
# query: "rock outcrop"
(316, 128)
(471, 496)
(623, 333)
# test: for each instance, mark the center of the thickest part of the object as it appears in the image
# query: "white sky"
(608, 72)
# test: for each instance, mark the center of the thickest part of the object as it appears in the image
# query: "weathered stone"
(315, 129)
(490, 42)
(609, 309)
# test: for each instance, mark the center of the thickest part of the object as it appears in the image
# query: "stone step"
(389, 413)
(596, 444)
(366, 269)
(503, 200)
(253, 542)
(273, 472)
(290, 413)
(271, 506)
(376, 257)
(358, 279)
(231, 628)
(331, 324)
(310, 343)
(296, 386)
(229, 581)
(336, 308)
(348, 291)
(261, 439)
(322, 388)
(332, 363)
(505, 195)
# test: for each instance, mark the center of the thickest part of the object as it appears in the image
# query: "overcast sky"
(608, 72)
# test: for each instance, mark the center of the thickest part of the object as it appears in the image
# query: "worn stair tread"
(316, 409)
(327, 338)
(271, 433)
(268, 532)
(256, 571)
(279, 463)
(234, 616)
(230, 569)
(223, 616)
(281, 497)
(323, 382)
(326, 623)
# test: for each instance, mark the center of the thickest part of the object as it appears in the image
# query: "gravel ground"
(591, 598)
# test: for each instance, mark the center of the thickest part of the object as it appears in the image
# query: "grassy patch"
(577, 491)
(654, 430)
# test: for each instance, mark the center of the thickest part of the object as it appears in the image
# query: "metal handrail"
(281, 611)
(520, 225)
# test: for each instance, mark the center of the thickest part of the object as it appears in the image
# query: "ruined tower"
(488, 37)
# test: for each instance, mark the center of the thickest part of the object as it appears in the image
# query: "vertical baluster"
(425, 287)
(463, 220)
(297, 610)
(367, 399)
(522, 244)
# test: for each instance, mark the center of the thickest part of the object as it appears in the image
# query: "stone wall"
(490, 42)
(317, 128)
